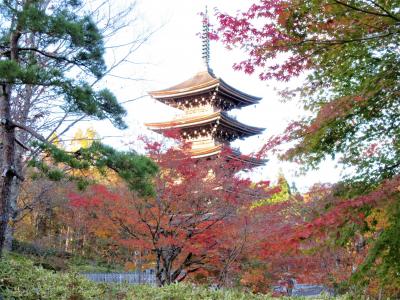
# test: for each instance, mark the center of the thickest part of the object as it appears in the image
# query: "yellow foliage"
(83, 139)
(378, 219)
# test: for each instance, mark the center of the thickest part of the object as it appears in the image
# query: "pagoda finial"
(206, 41)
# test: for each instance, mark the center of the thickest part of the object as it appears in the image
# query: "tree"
(43, 214)
(347, 50)
(284, 193)
(185, 222)
(52, 51)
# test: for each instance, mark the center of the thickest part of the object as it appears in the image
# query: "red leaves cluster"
(202, 221)
(295, 235)
(342, 212)
(299, 30)
(195, 212)
(263, 42)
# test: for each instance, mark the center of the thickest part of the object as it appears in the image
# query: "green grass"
(21, 279)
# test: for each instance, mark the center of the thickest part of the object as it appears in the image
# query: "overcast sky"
(172, 55)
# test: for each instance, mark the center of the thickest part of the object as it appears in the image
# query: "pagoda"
(205, 101)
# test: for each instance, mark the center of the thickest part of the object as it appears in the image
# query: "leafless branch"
(365, 10)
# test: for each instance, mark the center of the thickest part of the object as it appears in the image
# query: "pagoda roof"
(206, 152)
(249, 160)
(194, 121)
(202, 82)
(214, 150)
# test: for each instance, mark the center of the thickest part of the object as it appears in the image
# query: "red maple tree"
(188, 219)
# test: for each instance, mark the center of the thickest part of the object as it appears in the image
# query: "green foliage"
(55, 259)
(30, 249)
(183, 292)
(84, 265)
(353, 89)
(281, 196)
(348, 50)
(383, 259)
(349, 53)
(21, 279)
(58, 45)
(101, 105)
(137, 170)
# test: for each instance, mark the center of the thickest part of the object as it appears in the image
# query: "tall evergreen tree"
(56, 47)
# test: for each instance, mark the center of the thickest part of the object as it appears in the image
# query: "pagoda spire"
(205, 39)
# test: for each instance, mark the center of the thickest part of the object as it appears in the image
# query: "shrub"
(21, 279)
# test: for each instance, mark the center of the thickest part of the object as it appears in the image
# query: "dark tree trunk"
(8, 154)
(165, 272)
(164, 268)
(159, 270)
(21, 116)
(15, 189)
(7, 136)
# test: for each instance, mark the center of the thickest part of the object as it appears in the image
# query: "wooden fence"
(146, 277)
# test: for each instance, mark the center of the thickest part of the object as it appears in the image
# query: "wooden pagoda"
(205, 101)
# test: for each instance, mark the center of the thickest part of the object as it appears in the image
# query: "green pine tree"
(56, 46)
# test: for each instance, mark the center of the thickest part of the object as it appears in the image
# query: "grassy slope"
(57, 260)
(20, 278)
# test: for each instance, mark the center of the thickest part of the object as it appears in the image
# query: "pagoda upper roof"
(203, 82)
(199, 120)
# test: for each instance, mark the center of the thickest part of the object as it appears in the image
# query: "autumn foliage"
(204, 221)
(342, 51)
(195, 214)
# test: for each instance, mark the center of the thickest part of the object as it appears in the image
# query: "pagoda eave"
(246, 98)
(248, 161)
(206, 152)
(217, 118)
(234, 124)
(162, 95)
(184, 122)
(203, 82)
(200, 82)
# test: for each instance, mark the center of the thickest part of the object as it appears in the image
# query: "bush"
(32, 249)
(58, 260)
(21, 279)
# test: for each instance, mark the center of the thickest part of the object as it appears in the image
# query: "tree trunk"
(67, 240)
(163, 268)
(7, 135)
(21, 116)
(15, 189)
(159, 270)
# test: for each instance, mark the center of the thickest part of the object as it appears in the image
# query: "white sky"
(173, 55)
